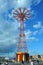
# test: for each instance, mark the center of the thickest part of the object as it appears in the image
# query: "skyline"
(9, 27)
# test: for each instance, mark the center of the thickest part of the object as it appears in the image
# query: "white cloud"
(28, 32)
(24, 3)
(39, 28)
(35, 2)
(35, 32)
(38, 25)
(32, 39)
(30, 35)
(27, 3)
(3, 6)
(33, 14)
(20, 3)
(41, 31)
(8, 33)
(6, 4)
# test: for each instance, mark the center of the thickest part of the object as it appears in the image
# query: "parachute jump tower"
(22, 14)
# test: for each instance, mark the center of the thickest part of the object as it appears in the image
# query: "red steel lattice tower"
(22, 14)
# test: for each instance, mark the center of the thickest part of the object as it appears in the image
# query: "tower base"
(22, 56)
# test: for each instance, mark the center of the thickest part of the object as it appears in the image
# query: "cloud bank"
(9, 28)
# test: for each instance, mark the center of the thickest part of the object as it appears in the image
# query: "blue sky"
(9, 27)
